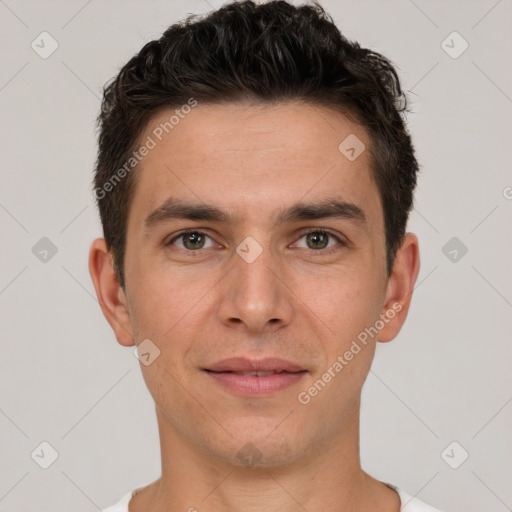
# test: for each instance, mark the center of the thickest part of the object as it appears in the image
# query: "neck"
(326, 477)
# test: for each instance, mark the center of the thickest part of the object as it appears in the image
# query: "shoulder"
(122, 504)
(410, 503)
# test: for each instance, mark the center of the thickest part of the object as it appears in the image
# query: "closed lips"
(260, 367)
(257, 373)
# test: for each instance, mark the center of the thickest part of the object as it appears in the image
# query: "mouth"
(256, 373)
(255, 377)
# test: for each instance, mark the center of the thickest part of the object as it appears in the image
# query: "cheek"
(163, 311)
(348, 308)
(161, 301)
(345, 301)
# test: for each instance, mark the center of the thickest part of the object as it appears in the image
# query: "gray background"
(446, 378)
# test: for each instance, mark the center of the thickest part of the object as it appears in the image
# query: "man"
(254, 180)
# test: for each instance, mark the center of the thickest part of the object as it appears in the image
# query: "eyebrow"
(336, 207)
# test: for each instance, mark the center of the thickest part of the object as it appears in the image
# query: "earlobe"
(109, 292)
(400, 287)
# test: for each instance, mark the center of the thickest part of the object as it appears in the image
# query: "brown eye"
(191, 240)
(317, 240)
(320, 240)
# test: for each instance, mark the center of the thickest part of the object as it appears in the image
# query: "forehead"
(253, 158)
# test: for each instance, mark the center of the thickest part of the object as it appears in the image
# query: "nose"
(254, 296)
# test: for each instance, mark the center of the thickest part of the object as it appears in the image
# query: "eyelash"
(340, 241)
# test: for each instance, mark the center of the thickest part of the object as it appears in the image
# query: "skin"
(303, 300)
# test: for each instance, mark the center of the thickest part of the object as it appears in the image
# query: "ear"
(110, 295)
(400, 287)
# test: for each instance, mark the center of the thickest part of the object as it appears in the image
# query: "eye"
(192, 240)
(318, 240)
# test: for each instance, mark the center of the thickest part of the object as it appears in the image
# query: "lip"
(242, 364)
(253, 385)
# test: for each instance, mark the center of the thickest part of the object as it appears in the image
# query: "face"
(251, 235)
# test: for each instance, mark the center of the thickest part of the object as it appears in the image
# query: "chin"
(260, 450)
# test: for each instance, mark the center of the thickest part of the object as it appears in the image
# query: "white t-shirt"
(409, 503)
